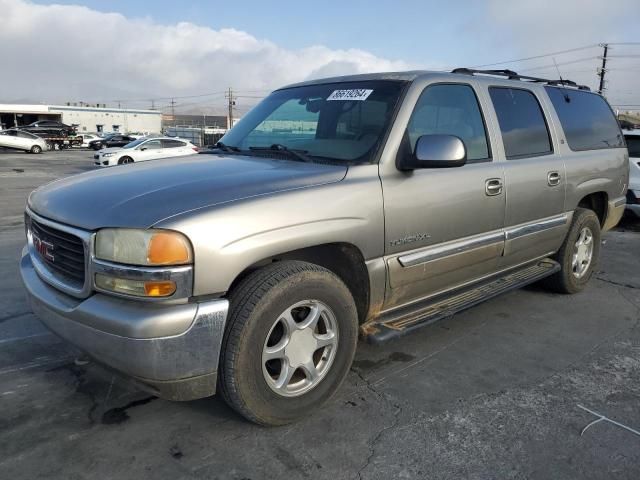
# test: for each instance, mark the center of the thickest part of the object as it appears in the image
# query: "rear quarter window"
(586, 118)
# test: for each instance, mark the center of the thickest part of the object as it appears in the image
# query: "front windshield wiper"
(226, 148)
(278, 147)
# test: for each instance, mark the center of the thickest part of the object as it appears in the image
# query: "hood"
(141, 194)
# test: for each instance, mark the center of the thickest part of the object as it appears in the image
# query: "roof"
(400, 76)
(459, 73)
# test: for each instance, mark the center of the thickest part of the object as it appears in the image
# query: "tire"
(36, 149)
(570, 278)
(256, 304)
(125, 160)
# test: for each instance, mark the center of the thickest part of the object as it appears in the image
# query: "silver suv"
(366, 205)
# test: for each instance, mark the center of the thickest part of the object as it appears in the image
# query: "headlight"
(143, 247)
(105, 155)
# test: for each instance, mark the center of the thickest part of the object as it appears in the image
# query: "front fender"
(230, 238)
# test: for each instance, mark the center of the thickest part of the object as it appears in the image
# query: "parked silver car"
(21, 140)
(370, 204)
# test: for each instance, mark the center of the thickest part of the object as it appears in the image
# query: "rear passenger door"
(535, 221)
(174, 148)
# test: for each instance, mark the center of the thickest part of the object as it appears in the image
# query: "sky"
(132, 52)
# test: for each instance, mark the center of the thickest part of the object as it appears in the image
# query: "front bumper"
(116, 333)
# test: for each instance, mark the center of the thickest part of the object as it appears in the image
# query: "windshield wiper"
(278, 147)
(226, 148)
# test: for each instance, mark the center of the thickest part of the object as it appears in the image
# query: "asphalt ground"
(493, 392)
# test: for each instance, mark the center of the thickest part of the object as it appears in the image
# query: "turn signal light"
(168, 248)
(138, 288)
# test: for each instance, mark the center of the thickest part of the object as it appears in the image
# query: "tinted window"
(172, 144)
(586, 119)
(522, 123)
(451, 110)
(633, 144)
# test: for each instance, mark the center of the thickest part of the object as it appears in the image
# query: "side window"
(152, 145)
(522, 123)
(586, 118)
(450, 109)
(172, 144)
(25, 135)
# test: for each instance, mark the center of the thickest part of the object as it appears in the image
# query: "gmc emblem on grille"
(43, 248)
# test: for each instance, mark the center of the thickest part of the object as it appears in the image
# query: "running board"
(407, 319)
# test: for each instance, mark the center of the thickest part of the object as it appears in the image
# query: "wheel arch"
(597, 202)
(343, 259)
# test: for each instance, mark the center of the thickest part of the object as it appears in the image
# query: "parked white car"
(633, 195)
(88, 137)
(21, 140)
(144, 149)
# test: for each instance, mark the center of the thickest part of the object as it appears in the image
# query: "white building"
(86, 118)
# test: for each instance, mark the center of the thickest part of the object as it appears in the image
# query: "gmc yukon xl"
(367, 205)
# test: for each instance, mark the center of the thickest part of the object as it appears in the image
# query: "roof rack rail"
(511, 75)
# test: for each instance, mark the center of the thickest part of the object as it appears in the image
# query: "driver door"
(443, 226)
(149, 150)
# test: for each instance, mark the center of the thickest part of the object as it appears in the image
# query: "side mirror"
(437, 151)
(142, 149)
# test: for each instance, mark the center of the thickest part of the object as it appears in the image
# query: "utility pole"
(173, 111)
(232, 102)
(153, 104)
(603, 69)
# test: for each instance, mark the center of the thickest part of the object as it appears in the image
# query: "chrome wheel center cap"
(300, 348)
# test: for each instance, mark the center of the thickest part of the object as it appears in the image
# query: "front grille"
(66, 256)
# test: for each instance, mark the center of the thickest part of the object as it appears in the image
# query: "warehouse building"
(97, 118)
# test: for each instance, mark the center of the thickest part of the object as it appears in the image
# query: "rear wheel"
(36, 149)
(578, 255)
(289, 343)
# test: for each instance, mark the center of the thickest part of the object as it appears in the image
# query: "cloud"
(68, 52)
(544, 26)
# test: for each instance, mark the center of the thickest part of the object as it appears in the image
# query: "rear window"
(524, 129)
(586, 118)
(633, 144)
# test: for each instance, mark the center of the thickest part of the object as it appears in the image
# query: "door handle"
(553, 179)
(493, 186)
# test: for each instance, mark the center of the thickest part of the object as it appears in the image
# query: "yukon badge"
(409, 239)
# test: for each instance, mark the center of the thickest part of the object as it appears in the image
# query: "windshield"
(135, 143)
(344, 122)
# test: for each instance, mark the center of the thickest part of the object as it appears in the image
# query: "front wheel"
(36, 149)
(125, 160)
(289, 343)
(578, 255)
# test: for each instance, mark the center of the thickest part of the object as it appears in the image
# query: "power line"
(559, 64)
(537, 56)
